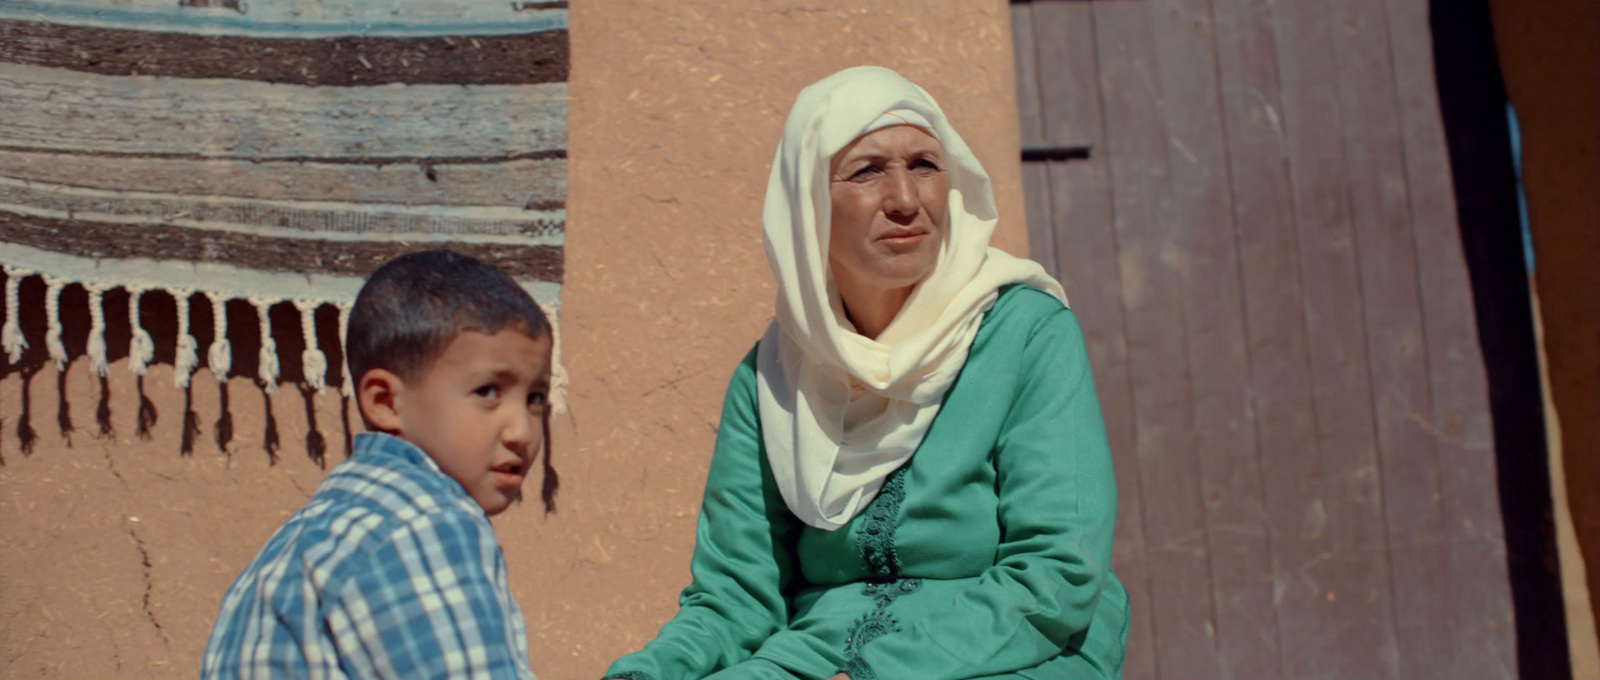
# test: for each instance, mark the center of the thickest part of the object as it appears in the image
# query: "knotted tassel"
(188, 355)
(346, 387)
(269, 348)
(220, 356)
(558, 372)
(97, 328)
(141, 348)
(52, 313)
(11, 334)
(313, 363)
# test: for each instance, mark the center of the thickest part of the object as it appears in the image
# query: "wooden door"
(1250, 205)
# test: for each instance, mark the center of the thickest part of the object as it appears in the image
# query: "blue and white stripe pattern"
(391, 571)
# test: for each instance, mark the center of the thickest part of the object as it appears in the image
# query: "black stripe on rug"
(248, 251)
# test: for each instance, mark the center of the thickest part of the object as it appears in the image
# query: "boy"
(392, 569)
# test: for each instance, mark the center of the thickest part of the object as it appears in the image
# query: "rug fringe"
(313, 363)
(188, 354)
(316, 371)
(52, 312)
(268, 363)
(219, 358)
(345, 386)
(11, 338)
(97, 327)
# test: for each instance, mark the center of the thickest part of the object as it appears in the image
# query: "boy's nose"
(518, 435)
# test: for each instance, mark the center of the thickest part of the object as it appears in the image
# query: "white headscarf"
(831, 445)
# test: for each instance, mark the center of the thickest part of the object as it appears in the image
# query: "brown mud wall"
(116, 549)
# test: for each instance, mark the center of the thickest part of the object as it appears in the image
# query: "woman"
(911, 479)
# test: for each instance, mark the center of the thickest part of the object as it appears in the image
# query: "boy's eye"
(488, 392)
(537, 398)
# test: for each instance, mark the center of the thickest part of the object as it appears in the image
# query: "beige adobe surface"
(116, 551)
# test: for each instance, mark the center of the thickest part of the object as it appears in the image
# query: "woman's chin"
(891, 270)
(905, 276)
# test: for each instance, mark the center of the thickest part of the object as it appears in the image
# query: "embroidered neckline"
(884, 584)
(876, 540)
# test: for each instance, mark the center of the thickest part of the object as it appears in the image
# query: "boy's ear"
(378, 397)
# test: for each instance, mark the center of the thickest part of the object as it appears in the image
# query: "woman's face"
(889, 190)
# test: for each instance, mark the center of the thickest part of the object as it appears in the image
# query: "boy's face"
(479, 410)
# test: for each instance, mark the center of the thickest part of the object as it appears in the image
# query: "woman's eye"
(864, 174)
(926, 165)
(487, 392)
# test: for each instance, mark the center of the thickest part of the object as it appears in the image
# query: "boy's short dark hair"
(414, 305)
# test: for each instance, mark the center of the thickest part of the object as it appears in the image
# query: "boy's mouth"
(508, 474)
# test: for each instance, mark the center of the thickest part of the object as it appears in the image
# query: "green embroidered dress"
(987, 555)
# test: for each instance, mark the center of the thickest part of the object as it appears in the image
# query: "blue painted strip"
(228, 22)
(1522, 197)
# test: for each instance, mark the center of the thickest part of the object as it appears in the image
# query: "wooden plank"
(540, 57)
(66, 111)
(1387, 263)
(1147, 252)
(1219, 367)
(315, 220)
(1280, 370)
(1086, 262)
(1026, 55)
(1484, 641)
(165, 242)
(1342, 590)
(1035, 180)
(301, 19)
(1041, 233)
(540, 184)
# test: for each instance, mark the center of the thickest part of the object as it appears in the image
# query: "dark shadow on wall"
(1472, 100)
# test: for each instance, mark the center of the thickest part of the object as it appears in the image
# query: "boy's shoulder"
(384, 529)
(393, 479)
(387, 491)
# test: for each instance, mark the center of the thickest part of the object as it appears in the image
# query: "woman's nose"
(900, 193)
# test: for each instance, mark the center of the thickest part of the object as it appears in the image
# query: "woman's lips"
(903, 237)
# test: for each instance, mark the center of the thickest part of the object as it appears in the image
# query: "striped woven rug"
(272, 152)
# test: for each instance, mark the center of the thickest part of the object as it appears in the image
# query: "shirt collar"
(388, 445)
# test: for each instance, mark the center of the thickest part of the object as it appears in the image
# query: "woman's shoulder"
(743, 381)
(1023, 308)
(747, 365)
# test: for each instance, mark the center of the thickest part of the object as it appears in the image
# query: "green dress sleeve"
(1057, 508)
(743, 561)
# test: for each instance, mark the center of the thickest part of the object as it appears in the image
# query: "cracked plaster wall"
(116, 550)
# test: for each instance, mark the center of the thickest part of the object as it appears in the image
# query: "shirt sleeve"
(430, 602)
(743, 561)
(1057, 508)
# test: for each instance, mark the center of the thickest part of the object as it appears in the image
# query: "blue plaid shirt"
(390, 571)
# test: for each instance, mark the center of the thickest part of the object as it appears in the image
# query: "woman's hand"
(840, 676)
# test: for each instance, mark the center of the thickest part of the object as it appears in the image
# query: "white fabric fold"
(841, 411)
